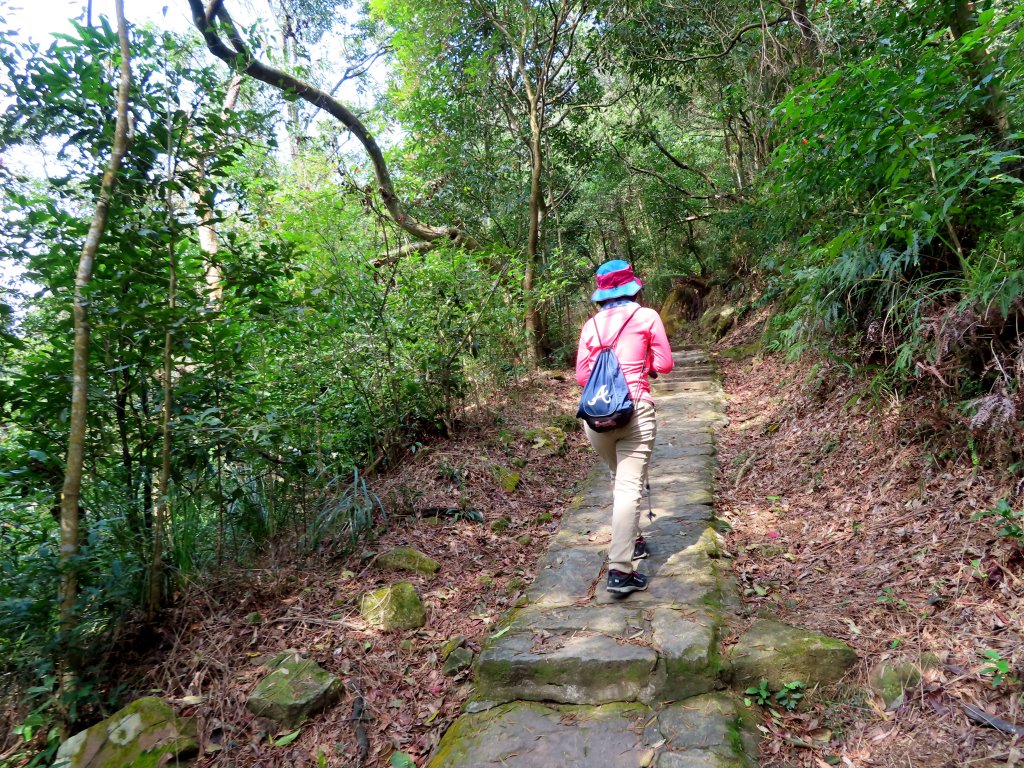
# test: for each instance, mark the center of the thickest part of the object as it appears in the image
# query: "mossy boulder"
(507, 478)
(296, 689)
(394, 608)
(548, 441)
(780, 654)
(407, 559)
(145, 733)
(891, 680)
(717, 320)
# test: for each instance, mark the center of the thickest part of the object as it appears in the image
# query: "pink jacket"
(644, 333)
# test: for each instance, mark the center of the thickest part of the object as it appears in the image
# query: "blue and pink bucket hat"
(615, 279)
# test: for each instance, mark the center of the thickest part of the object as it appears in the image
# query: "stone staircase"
(580, 678)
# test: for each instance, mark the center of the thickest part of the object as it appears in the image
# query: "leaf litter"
(396, 699)
(857, 518)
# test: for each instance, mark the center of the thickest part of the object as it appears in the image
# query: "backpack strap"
(621, 329)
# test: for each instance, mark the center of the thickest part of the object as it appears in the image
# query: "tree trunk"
(72, 488)
(161, 511)
(208, 242)
(962, 21)
(533, 242)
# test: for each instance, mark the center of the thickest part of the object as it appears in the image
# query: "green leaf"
(287, 739)
(402, 760)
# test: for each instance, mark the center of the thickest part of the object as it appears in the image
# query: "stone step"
(709, 731)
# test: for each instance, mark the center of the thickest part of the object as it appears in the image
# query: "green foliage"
(1012, 519)
(997, 667)
(758, 694)
(790, 695)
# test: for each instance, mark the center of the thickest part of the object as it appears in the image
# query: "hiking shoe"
(640, 550)
(624, 583)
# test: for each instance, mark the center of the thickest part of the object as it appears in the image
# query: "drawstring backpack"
(606, 403)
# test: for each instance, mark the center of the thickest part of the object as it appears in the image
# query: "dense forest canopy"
(290, 292)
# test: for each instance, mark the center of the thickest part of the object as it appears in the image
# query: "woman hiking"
(637, 336)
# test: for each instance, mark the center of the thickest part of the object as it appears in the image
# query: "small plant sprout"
(758, 694)
(1013, 520)
(790, 695)
(997, 667)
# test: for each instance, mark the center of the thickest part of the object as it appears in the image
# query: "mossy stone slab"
(780, 654)
(407, 559)
(145, 733)
(296, 689)
(713, 721)
(571, 668)
(689, 651)
(393, 608)
(534, 735)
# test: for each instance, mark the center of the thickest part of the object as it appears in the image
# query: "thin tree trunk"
(72, 489)
(962, 21)
(161, 509)
(208, 241)
(161, 512)
(533, 242)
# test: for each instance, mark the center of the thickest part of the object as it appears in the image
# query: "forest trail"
(577, 678)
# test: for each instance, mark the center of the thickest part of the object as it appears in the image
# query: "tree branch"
(214, 21)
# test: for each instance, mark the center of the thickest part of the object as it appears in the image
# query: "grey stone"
(532, 735)
(459, 660)
(570, 668)
(566, 575)
(147, 731)
(450, 645)
(688, 649)
(781, 653)
(295, 690)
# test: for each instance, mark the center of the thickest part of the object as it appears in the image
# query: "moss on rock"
(145, 733)
(296, 689)
(407, 559)
(393, 608)
(781, 654)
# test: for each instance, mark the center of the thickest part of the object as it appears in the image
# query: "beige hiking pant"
(627, 452)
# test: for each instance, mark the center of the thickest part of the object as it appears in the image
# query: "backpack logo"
(602, 395)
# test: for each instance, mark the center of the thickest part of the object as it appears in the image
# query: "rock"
(507, 478)
(892, 679)
(292, 692)
(450, 645)
(689, 651)
(146, 732)
(548, 441)
(275, 659)
(783, 654)
(533, 734)
(407, 559)
(392, 608)
(712, 730)
(459, 660)
(567, 667)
